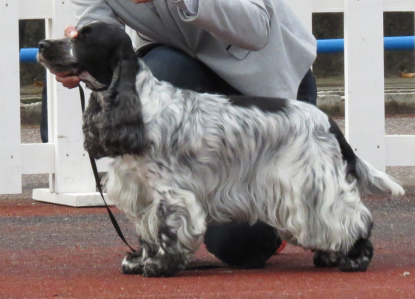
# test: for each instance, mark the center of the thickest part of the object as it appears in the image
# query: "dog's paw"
(359, 257)
(132, 264)
(157, 268)
(323, 259)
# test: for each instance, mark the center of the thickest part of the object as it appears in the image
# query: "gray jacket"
(258, 46)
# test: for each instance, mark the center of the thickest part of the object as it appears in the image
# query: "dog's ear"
(124, 66)
(89, 127)
(121, 123)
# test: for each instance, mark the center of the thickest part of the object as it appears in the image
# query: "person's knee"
(165, 63)
(307, 91)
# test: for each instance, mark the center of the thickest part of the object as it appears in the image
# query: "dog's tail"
(369, 179)
(372, 181)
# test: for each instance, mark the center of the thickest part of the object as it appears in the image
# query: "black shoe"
(242, 246)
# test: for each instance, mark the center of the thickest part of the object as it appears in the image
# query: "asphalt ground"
(49, 251)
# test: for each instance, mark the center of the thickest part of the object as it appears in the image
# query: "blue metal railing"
(330, 45)
(28, 54)
(394, 43)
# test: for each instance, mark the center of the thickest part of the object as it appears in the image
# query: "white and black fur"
(185, 159)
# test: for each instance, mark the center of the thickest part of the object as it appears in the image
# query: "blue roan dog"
(184, 159)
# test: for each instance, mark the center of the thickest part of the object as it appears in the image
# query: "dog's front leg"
(133, 262)
(180, 222)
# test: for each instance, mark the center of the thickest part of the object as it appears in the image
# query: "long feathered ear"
(91, 133)
(120, 124)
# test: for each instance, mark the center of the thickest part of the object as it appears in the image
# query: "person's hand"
(71, 31)
(142, 1)
(65, 78)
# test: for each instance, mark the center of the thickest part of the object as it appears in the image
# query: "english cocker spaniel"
(184, 159)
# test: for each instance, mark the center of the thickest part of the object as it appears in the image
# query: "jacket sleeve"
(242, 23)
(87, 11)
(188, 6)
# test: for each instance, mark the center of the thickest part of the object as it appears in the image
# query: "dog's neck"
(91, 82)
(145, 81)
(154, 95)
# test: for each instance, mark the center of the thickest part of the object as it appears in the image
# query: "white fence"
(63, 158)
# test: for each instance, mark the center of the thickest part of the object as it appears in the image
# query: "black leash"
(97, 181)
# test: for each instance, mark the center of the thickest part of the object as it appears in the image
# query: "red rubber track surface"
(53, 251)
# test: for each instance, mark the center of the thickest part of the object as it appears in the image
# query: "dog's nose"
(43, 44)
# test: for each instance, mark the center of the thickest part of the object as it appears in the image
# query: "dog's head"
(94, 55)
(103, 57)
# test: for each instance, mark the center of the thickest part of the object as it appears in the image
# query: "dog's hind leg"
(356, 260)
(332, 220)
(324, 259)
(351, 258)
(359, 256)
(181, 225)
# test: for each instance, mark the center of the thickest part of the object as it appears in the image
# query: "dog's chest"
(144, 168)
